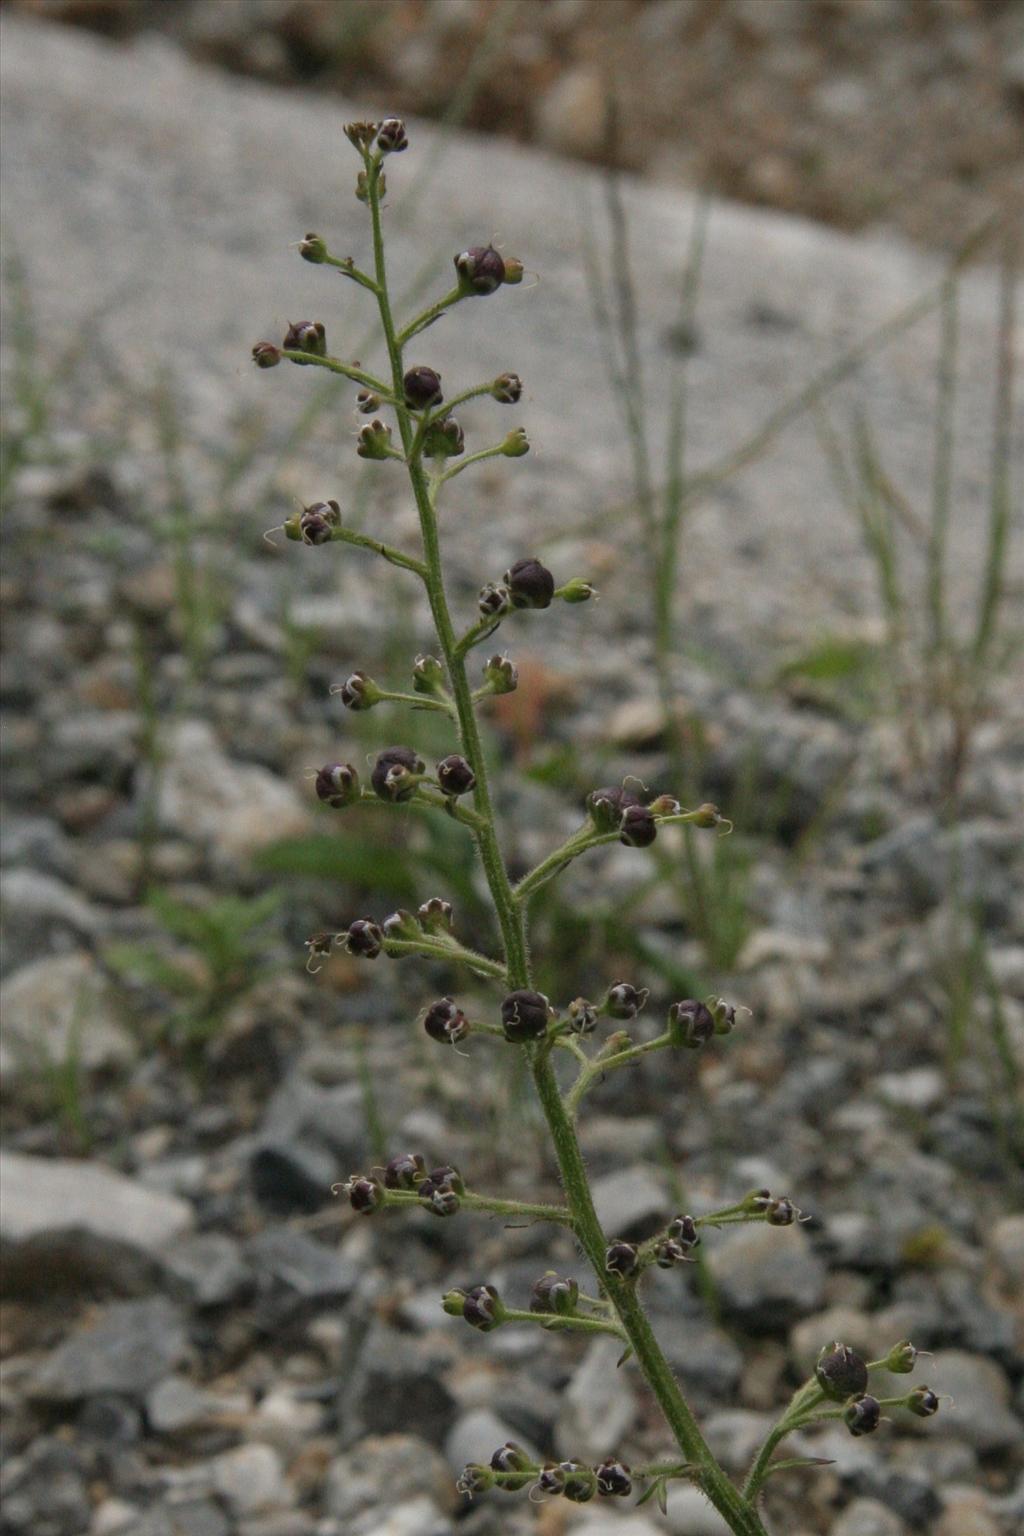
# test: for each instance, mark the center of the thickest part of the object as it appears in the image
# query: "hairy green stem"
(741, 1516)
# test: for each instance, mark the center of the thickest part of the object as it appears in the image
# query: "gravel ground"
(200, 1337)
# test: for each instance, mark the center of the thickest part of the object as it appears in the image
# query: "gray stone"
(58, 1011)
(296, 1275)
(419, 1517)
(185, 1514)
(250, 1479)
(68, 1224)
(919, 1088)
(690, 1514)
(41, 916)
(35, 841)
(130, 1347)
(208, 1269)
(630, 1202)
(476, 1435)
(290, 1177)
(405, 1465)
(1006, 1242)
(175, 1405)
(234, 808)
(396, 1384)
(735, 1437)
(599, 1407)
(709, 1363)
(44, 1492)
(867, 1517)
(980, 1412)
(767, 1277)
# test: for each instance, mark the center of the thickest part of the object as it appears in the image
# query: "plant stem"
(741, 1516)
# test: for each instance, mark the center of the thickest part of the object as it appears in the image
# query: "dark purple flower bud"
(511, 1457)
(583, 1016)
(365, 1195)
(266, 355)
(318, 521)
(922, 1401)
(691, 1023)
(474, 1479)
(314, 527)
(624, 1001)
(530, 584)
(445, 1022)
(438, 1200)
(396, 773)
(364, 938)
(435, 915)
(404, 1171)
(494, 600)
(448, 1177)
(669, 1253)
(515, 1467)
(606, 805)
(622, 1259)
(444, 439)
(781, 1213)
(551, 1478)
(580, 1482)
(841, 1373)
(374, 441)
(638, 828)
(337, 785)
(454, 775)
(507, 388)
(902, 1358)
(361, 135)
(482, 1308)
(367, 402)
(313, 248)
(422, 387)
(359, 692)
(481, 269)
(305, 336)
(392, 137)
(552, 1293)
(863, 1415)
(524, 1015)
(501, 675)
(613, 1479)
(683, 1230)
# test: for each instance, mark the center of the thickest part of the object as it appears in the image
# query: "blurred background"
(769, 338)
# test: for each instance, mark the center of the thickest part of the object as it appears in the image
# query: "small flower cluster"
(842, 1377)
(629, 810)
(367, 938)
(439, 1189)
(511, 1469)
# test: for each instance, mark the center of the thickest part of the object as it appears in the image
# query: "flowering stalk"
(428, 437)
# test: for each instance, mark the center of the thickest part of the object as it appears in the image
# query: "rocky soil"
(198, 1335)
(793, 104)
